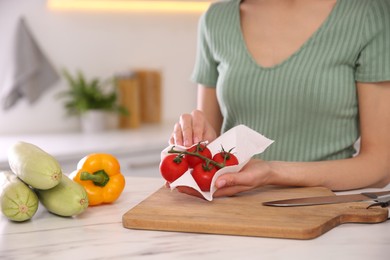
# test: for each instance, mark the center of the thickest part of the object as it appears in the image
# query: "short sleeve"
(205, 70)
(373, 63)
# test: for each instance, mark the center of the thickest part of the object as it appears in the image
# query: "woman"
(313, 75)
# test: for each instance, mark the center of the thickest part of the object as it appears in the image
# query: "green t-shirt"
(308, 103)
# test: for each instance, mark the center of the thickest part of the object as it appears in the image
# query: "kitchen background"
(101, 44)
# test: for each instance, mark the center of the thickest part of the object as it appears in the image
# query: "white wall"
(100, 44)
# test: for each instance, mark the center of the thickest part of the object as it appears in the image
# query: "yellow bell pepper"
(101, 177)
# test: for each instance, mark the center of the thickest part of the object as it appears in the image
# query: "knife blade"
(321, 200)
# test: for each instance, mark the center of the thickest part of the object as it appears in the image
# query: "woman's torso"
(305, 98)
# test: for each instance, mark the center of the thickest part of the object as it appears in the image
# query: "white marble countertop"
(98, 234)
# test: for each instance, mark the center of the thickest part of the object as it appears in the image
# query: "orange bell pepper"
(101, 177)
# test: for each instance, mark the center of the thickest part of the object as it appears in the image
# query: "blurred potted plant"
(94, 101)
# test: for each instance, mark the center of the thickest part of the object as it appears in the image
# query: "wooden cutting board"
(245, 215)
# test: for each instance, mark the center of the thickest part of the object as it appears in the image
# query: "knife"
(380, 199)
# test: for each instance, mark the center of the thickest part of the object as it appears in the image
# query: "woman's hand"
(254, 174)
(192, 129)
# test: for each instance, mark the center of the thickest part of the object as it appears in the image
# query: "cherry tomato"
(225, 158)
(203, 175)
(199, 149)
(172, 167)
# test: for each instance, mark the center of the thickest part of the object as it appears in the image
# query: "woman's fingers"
(182, 131)
(192, 129)
(177, 135)
(186, 123)
(254, 174)
(198, 126)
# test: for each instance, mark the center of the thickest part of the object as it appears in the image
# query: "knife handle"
(382, 201)
(383, 204)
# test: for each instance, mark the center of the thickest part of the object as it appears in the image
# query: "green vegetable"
(66, 199)
(34, 166)
(18, 201)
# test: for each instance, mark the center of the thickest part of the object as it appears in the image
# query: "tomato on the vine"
(173, 166)
(225, 158)
(200, 149)
(203, 174)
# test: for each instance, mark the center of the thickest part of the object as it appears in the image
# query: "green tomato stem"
(204, 158)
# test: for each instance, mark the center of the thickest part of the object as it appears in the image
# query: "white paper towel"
(246, 143)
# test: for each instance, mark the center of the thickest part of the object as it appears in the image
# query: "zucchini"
(18, 201)
(66, 199)
(34, 166)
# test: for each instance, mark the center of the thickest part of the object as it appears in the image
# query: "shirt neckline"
(314, 35)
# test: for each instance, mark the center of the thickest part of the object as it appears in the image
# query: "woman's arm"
(208, 104)
(370, 168)
(202, 124)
